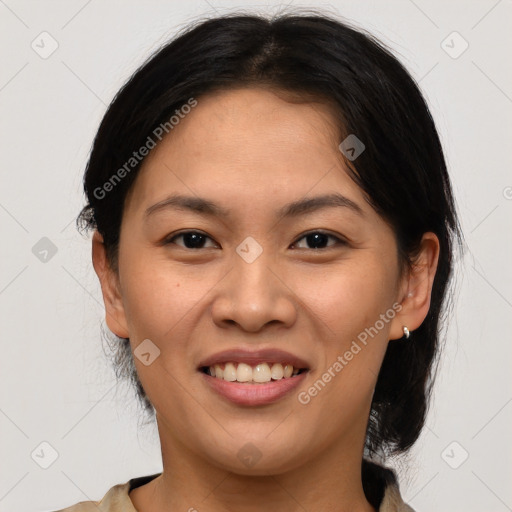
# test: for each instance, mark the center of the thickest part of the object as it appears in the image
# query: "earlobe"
(114, 309)
(416, 289)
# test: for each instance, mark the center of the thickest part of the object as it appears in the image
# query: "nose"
(254, 295)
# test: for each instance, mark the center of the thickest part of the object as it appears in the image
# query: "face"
(274, 249)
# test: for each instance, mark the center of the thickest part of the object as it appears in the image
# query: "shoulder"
(392, 501)
(380, 485)
(115, 500)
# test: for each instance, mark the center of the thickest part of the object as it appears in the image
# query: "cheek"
(346, 304)
(157, 298)
(349, 297)
(162, 305)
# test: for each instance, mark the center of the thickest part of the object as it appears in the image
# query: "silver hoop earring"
(406, 332)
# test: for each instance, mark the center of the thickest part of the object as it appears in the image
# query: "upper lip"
(253, 357)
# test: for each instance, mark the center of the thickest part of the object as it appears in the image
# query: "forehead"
(248, 141)
(251, 122)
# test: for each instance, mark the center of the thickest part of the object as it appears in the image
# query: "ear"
(114, 309)
(416, 288)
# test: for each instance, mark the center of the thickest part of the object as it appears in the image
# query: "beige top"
(118, 500)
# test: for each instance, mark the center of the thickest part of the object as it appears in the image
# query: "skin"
(251, 151)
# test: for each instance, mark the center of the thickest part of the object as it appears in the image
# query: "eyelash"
(170, 240)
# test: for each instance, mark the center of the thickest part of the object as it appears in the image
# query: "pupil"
(317, 240)
(193, 240)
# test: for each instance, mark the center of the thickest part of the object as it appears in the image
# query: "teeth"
(277, 371)
(261, 373)
(243, 373)
(219, 372)
(229, 372)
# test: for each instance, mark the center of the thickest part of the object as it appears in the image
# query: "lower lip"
(254, 394)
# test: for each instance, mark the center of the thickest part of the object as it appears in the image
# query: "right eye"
(191, 239)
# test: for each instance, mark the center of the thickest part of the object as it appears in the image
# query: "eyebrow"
(296, 208)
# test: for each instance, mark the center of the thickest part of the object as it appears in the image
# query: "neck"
(329, 482)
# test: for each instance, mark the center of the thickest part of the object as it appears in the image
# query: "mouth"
(253, 377)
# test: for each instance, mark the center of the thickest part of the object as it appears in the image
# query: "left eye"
(318, 240)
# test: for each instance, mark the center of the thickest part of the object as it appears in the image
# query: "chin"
(256, 456)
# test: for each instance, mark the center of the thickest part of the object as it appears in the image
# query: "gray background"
(57, 386)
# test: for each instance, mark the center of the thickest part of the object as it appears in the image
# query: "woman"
(273, 232)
